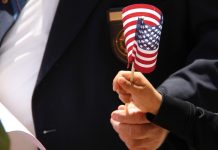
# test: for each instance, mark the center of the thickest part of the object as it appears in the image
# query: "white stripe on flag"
(130, 44)
(130, 53)
(129, 29)
(143, 17)
(129, 37)
(144, 65)
(146, 58)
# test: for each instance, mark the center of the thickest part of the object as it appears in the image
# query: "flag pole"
(131, 80)
(132, 73)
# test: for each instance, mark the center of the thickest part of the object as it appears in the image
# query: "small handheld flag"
(142, 25)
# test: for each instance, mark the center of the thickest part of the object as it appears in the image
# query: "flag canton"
(147, 37)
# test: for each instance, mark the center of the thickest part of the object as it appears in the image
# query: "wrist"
(157, 101)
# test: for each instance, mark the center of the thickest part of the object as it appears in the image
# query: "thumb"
(125, 84)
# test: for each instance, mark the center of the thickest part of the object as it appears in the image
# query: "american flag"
(147, 39)
(151, 15)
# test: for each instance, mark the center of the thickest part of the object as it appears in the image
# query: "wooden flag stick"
(131, 80)
(132, 73)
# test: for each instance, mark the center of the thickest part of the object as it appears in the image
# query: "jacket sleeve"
(197, 82)
(194, 124)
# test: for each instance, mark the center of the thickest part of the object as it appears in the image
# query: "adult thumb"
(125, 84)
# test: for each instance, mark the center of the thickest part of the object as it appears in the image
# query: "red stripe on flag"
(145, 6)
(146, 55)
(132, 23)
(144, 70)
(145, 62)
(130, 32)
(130, 40)
(138, 14)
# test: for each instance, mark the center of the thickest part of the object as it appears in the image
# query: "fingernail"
(114, 116)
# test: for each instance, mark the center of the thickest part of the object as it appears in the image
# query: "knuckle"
(139, 117)
(124, 98)
(120, 72)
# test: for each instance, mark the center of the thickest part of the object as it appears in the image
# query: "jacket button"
(48, 131)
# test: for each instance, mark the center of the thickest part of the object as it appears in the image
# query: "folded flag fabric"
(147, 39)
(142, 25)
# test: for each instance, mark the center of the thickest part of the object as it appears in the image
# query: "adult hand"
(135, 130)
(140, 92)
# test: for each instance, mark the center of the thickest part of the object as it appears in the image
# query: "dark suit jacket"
(74, 94)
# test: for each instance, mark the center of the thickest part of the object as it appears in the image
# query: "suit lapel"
(69, 19)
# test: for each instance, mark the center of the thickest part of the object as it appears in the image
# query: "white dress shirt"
(21, 56)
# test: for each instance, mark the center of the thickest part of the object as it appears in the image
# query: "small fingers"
(133, 116)
(115, 80)
(121, 107)
(125, 98)
(129, 131)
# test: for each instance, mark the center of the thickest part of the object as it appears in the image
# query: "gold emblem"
(4, 1)
(119, 46)
(117, 35)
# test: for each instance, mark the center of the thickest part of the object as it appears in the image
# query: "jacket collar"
(69, 20)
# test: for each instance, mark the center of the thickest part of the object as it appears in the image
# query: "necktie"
(9, 12)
